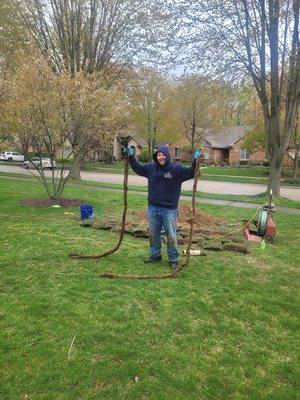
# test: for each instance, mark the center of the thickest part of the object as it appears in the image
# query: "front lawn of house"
(225, 328)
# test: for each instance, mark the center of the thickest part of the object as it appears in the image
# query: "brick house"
(136, 145)
(117, 149)
(222, 148)
(113, 151)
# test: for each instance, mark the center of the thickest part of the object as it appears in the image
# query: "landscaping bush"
(244, 162)
(30, 154)
(292, 181)
(144, 157)
(266, 163)
(254, 163)
(63, 161)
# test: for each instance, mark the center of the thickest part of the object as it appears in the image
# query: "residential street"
(203, 186)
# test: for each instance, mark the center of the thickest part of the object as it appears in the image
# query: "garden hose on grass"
(262, 222)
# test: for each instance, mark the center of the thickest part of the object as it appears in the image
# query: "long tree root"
(174, 273)
(75, 256)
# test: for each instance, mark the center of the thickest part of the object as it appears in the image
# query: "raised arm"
(186, 173)
(140, 169)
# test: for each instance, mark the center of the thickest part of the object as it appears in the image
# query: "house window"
(177, 152)
(206, 153)
(244, 154)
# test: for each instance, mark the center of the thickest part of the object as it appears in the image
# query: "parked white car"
(13, 156)
(36, 162)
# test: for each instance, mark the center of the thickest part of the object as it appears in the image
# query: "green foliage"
(189, 148)
(63, 160)
(30, 154)
(147, 94)
(13, 35)
(255, 141)
(266, 163)
(244, 162)
(144, 156)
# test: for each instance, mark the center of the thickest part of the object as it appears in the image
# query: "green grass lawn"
(225, 328)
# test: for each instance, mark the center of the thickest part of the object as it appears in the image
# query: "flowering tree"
(146, 96)
(93, 36)
(200, 104)
(54, 114)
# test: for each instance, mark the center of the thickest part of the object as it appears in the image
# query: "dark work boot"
(174, 264)
(152, 259)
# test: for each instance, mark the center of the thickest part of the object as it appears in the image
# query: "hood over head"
(165, 150)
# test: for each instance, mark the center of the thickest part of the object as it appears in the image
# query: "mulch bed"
(43, 203)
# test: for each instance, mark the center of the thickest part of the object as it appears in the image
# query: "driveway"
(203, 186)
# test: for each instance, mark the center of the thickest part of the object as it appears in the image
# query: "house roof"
(227, 136)
(123, 135)
(142, 142)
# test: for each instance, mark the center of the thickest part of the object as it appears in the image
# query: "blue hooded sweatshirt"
(164, 181)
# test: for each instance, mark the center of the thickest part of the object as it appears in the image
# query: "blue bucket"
(86, 211)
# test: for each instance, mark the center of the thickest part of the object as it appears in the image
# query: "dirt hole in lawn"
(206, 228)
(43, 203)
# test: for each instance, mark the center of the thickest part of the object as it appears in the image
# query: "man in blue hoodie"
(164, 186)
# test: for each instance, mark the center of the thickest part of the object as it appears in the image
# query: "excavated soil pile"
(203, 222)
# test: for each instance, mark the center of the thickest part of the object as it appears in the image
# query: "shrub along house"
(222, 148)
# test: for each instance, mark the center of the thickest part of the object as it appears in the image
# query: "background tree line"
(243, 60)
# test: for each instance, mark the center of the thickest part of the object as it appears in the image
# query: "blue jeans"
(163, 217)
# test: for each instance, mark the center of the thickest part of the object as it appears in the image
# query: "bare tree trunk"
(267, 139)
(275, 176)
(149, 149)
(276, 155)
(274, 119)
(192, 148)
(76, 171)
(108, 156)
(194, 127)
(296, 160)
(78, 159)
(151, 145)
